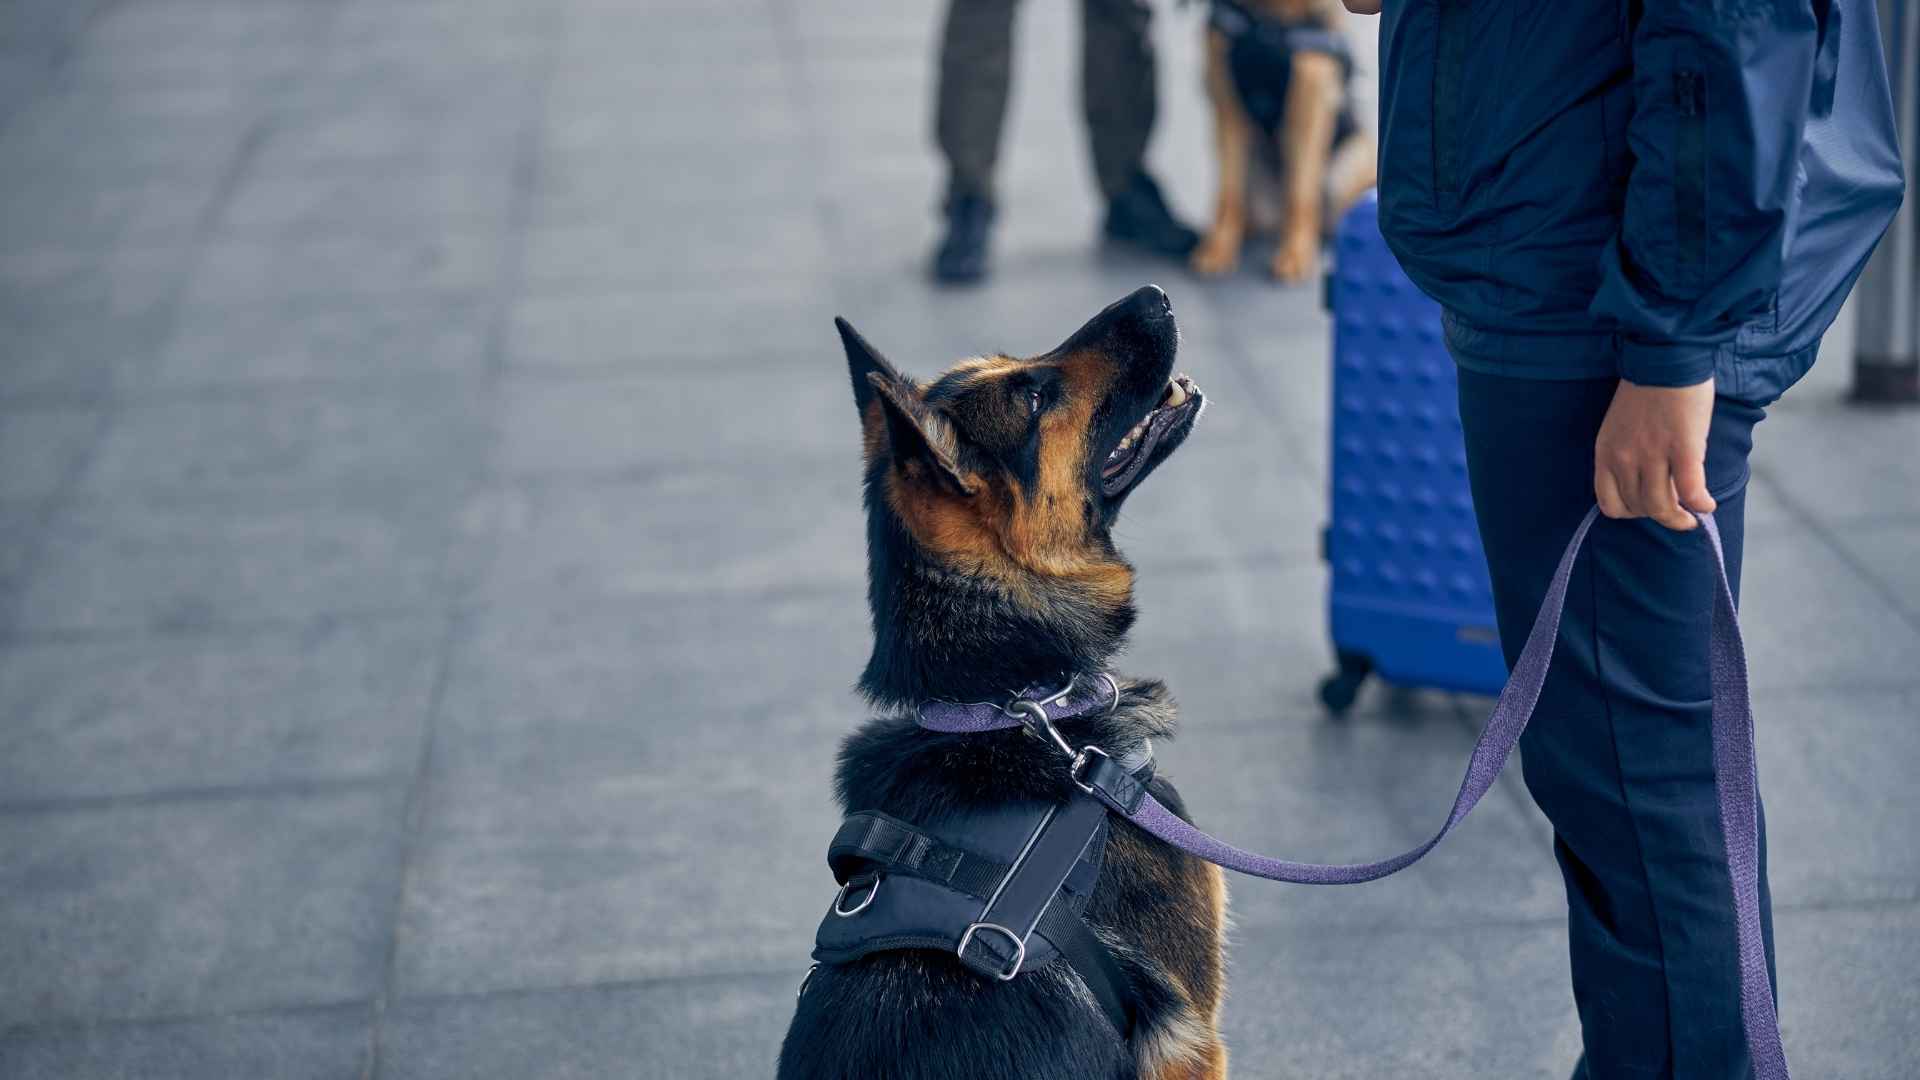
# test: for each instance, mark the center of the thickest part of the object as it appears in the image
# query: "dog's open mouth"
(1154, 437)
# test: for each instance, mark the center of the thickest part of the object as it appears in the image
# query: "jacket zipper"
(1690, 176)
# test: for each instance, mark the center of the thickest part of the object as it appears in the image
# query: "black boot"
(962, 257)
(1139, 216)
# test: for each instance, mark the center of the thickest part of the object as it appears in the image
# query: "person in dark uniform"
(1118, 94)
(1638, 220)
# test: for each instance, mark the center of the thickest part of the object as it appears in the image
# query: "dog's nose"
(1151, 301)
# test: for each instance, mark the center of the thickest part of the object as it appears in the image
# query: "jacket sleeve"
(1721, 93)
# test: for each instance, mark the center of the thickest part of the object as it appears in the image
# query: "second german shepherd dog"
(991, 495)
(1294, 173)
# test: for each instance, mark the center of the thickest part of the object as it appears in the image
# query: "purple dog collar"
(1091, 696)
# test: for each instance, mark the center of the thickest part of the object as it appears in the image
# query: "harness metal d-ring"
(1019, 948)
(839, 902)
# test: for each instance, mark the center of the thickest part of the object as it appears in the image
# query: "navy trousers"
(1619, 753)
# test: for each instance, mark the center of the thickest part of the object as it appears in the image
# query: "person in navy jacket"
(1639, 218)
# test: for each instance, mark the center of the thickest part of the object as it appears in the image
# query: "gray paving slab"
(476, 120)
(612, 126)
(52, 284)
(171, 909)
(675, 531)
(613, 255)
(75, 208)
(319, 1044)
(68, 356)
(580, 189)
(647, 682)
(670, 334)
(1886, 552)
(681, 1029)
(419, 435)
(370, 338)
(21, 523)
(307, 199)
(1846, 1004)
(182, 562)
(328, 701)
(1837, 462)
(609, 426)
(576, 877)
(60, 136)
(1810, 618)
(423, 261)
(1447, 1002)
(1819, 752)
(43, 448)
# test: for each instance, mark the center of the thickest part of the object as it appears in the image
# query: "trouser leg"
(976, 68)
(1619, 754)
(1117, 88)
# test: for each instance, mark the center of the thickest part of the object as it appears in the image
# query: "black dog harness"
(1260, 52)
(1004, 888)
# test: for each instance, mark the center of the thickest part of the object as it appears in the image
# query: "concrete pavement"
(431, 574)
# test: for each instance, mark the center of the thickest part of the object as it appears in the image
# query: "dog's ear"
(918, 434)
(863, 360)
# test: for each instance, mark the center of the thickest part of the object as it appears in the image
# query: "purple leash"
(1733, 762)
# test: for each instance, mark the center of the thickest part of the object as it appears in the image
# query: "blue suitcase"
(1408, 597)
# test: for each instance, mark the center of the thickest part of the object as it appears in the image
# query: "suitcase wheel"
(1338, 690)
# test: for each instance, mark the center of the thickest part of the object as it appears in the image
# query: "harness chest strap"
(1011, 901)
(1736, 781)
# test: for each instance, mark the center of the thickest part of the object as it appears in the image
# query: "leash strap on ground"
(1735, 777)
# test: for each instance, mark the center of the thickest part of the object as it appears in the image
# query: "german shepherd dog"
(1290, 173)
(991, 495)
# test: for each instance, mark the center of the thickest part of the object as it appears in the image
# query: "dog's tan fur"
(1317, 181)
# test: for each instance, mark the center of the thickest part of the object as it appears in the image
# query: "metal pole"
(1886, 361)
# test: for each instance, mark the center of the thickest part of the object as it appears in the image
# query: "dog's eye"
(1034, 400)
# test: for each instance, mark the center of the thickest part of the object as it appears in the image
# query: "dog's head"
(1003, 478)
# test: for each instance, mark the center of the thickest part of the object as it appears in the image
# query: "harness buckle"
(1019, 949)
(866, 899)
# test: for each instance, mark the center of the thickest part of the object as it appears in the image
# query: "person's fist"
(1651, 457)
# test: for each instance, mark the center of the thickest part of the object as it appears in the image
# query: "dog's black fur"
(992, 568)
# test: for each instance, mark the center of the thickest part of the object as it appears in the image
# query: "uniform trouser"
(1619, 753)
(976, 66)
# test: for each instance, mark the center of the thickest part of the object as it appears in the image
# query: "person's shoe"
(1139, 216)
(962, 256)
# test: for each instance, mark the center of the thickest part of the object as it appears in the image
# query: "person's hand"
(1651, 457)
(1363, 7)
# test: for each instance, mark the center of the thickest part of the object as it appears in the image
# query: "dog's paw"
(1294, 260)
(1217, 254)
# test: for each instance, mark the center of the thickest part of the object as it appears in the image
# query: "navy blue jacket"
(1664, 191)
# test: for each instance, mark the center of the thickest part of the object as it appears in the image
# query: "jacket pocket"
(1452, 39)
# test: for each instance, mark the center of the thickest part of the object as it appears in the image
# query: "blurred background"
(431, 571)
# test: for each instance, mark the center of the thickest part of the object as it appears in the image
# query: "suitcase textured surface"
(1409, 597)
